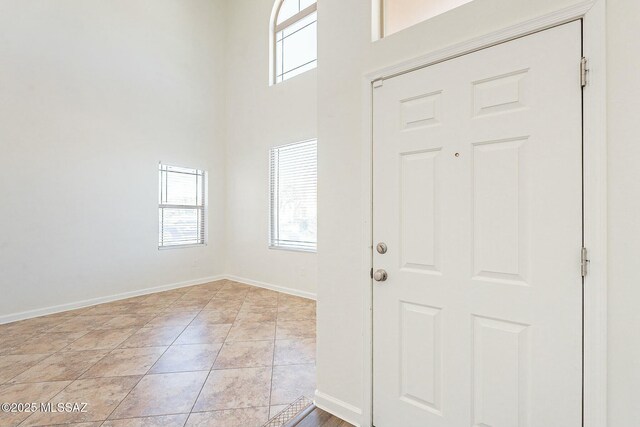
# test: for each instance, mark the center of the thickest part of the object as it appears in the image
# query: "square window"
(181, 207)
(293, 196)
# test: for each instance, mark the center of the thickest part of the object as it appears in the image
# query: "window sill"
(197, 245)
(290, 249)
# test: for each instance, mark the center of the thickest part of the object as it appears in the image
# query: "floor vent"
(288, 413)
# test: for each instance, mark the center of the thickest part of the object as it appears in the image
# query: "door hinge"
(378, 83)
(584, 71)
(584, 262)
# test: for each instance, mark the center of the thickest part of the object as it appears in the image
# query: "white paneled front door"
(478, 198)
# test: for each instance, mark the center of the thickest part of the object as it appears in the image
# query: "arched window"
(294, 32)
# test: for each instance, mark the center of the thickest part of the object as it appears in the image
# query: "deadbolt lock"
(381, 248)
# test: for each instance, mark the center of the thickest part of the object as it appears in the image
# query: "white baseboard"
(14, 317)
(100, 300)
(284, 290)
(340, 409)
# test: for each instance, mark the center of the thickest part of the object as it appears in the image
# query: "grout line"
(214, 360)
(165, 310)
(151, 367)
(273, 360)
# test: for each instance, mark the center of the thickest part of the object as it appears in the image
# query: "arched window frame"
(275, 28)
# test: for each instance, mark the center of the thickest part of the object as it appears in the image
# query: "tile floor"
(219, 354)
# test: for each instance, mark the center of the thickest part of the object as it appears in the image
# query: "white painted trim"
(101, 300)
(272, 41)
(595, 217)
(277, 288)
(367, 253)
(593, 13)
(509, 33)
(337, 407)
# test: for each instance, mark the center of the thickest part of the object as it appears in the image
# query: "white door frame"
(593, 15)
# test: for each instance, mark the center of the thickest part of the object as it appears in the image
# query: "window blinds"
(293, 196)
(182, 206)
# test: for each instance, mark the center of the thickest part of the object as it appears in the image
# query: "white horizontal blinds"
(294, 201)
(182, 206)
(296, 38)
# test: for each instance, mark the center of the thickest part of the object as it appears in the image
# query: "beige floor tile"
(217, 284)
(224, 304)
(195, 296)
(235, 388)
(27, 393)
(60, 366)
(101, 395)
(13, 365)
(186, 305)
(159, 421)
(153, 309)
(212, 317)
(100, 339)
(233, 285)
(285, 299)
(153, 337)
(137, 299)
(250, 417)
(61, 315)
(90, 424)
(295, 312)
(180, 318)
(45, 343)
(295, 352)
(292, 381)
(162, 394)
(232, 295)
(124, 321)
(109, 309)
(252, 331)
(9, 341)
(258, 300)
(160, 299)
(226, 326)
(250, 313)
(290, 329)
(204, 334)
(125, 362)
(82, 323)
(77, 311)
(184, 358)
(245, 354)
(33, 326)
(267, 293)
(199, 294)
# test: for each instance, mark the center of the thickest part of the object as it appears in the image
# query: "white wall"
(259, 117)
(400, 14)
(346, 54)
(93, 94)
(623, 106)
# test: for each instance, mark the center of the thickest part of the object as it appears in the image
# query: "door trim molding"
(593, 14)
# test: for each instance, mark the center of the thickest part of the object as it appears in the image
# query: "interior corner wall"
(346, 55)
(260, 116)
(93, 95)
